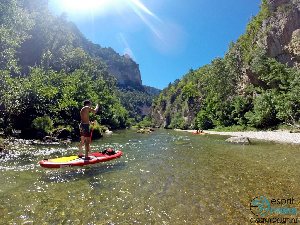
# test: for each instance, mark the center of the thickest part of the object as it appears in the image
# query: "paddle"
(92, 129)
(91, 135)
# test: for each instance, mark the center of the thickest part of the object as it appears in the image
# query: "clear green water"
(163, 178)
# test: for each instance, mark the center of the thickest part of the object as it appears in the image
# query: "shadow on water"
(74, 174)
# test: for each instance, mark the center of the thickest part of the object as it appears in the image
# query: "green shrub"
(178, 122)
(264, 112)
(146, 122)
(131, 122)
(203, 121)
(44, 124)
(241, 105)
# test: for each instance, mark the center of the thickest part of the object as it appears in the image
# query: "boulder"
(50, 139)
(3, 152)
(108, 132)
(238, 140)
(66, 142)
(63, 134)
(144, 131)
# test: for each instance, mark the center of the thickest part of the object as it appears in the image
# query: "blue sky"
(165, 37)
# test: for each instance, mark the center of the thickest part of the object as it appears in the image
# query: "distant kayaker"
(84, 126)
(198, 132)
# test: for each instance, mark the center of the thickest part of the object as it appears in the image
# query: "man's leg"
(87, 146)
(81, 143)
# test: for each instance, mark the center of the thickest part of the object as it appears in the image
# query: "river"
(165, 177)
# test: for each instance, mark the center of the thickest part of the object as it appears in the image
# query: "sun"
(102, 6)
(86, 5)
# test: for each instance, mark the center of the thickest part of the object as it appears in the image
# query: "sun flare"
(98, 6)
(165, 35)
(86, 5)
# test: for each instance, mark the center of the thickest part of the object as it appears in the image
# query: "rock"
(38, 142)
(66, 142)
(108, 132)
(280, 39)
(238, 140)
(15, 141)
(41, 135)
(295, 131)
(63, 134)
(49, 139)
(274, 4)
(28, 142)
(144, 131)
(126, 71)
(294, 46)
(3, 152)
(26, 155)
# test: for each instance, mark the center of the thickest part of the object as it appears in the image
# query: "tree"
(15, 23)
(203, 121)
(264, 111)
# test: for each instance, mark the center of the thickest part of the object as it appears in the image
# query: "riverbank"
(276, 136)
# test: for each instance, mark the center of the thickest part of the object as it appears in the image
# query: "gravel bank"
(277, 136)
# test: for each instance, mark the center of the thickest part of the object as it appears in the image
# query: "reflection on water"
(162, 178)
(71, 174)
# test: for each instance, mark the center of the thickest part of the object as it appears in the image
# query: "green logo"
(262, 207)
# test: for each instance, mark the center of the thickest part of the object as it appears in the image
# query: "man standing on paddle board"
(84, 126)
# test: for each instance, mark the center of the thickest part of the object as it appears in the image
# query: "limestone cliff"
(224, 92)
(282, 31)
(126, 71)
(278, 37)
(123, 68)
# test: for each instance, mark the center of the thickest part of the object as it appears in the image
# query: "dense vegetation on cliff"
(137, 101)
(47, 68)
(249, 87)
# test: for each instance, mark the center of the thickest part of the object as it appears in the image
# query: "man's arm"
(95, 110)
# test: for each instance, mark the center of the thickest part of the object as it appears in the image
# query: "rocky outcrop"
(279, 31)
(122, 67)
(126, 71)
(274, 4)
(158, 117)
(164, 114)
(278, 37)
(294, 47)
(145, 110)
